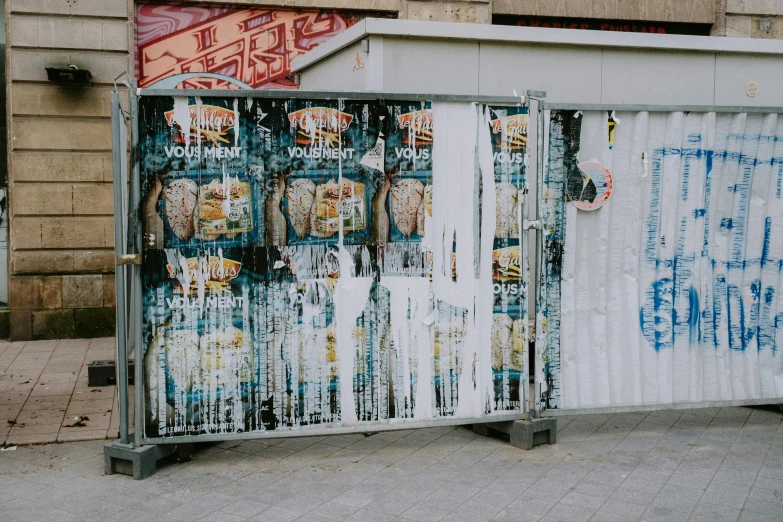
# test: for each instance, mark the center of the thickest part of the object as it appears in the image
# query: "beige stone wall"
(745, 19)
(690, 11)
(60, 193)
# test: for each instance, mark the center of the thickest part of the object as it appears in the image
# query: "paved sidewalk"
(44, 395)
(699, 465)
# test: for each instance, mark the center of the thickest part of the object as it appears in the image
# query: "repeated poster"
(287, 268)
(508, 130)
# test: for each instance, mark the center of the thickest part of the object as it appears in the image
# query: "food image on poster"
(409, 167)
(508, 130)
(314, 152)
(207, 206)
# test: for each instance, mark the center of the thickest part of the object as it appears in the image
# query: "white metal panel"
(430, 66)
(733, 72)
(670, 78)
(671, 291)
(565, 73)
(346, 70)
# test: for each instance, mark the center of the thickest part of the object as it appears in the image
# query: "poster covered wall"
(330, 262)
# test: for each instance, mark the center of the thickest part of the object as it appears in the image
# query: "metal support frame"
(331, 95)
(117, 120)
(538, 96)
(126, 456)
(134, 244)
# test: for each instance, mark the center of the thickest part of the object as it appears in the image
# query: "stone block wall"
(60, 170)
(62, 306)
(751, 19)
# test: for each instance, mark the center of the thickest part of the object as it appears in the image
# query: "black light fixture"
(70, 75)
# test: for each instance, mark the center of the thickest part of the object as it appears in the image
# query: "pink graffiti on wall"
(255, 46)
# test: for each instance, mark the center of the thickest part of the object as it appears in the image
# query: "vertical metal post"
(539, 190)
(134, 241)
(118, 157)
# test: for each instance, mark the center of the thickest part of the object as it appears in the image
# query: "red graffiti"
(255, 46)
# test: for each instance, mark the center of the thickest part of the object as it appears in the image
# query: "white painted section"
(671, 291)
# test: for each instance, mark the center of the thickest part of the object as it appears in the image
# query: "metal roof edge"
(534, 35)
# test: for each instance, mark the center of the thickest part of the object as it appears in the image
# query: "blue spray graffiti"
(735, 305)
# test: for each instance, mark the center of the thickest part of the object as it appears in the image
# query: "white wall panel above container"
(733, 73)
(565, 73)
(644, 76)
(424, 66)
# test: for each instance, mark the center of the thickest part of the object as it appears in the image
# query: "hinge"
(127, 259)
(536, 224)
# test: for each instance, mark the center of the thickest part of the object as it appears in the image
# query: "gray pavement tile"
(629, 509)
(276, 514)
(495, 498)
(608, 516)
(244, 508)
(509, 515)
(424, 513)
(691, 477)
(364, 515)
(663, 514)
(354, 498)
(388, 506)
(581, 500)
(728, 495)
(336, 510)
(715, 512)
(188, 511)
(605, 477)
(683, 505)
(130, 515)
(570, 513)
(472, 511)
(531, 505)
(641, 496)
(762, 506)
(301, 503)
(734, 477)
(551, 494)
(767, 495)
(750, 516)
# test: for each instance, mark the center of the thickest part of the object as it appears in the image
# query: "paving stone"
(570, 513)
(424, 513)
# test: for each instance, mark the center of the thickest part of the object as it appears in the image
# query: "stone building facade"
(61, 261)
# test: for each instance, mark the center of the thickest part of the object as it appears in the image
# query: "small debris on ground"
(78, 422)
